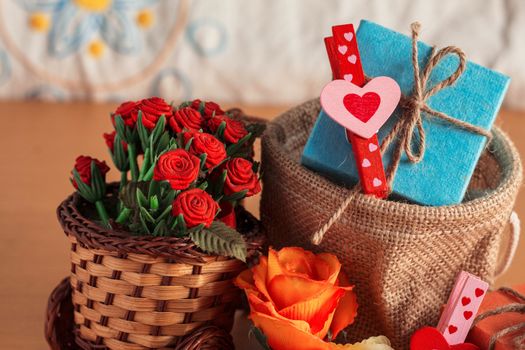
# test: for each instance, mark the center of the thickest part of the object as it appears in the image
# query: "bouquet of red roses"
(183, 171)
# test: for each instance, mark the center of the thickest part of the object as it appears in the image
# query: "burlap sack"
(402, 258)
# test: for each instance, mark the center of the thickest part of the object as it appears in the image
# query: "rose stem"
(133, 162)
(123, 215)
(102, 213)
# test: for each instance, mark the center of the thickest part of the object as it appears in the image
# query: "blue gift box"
(451, 153)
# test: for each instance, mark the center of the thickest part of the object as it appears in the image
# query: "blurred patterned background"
(257, 51)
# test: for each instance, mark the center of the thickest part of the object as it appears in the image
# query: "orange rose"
(296, 297)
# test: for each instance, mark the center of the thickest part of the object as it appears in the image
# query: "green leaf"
(158, 130)
(261, 338)
(144, 226)
(203, 186)
(220, 239)
(182, 223)
(184, 104)
(233, 149)
(154, 187)
(128, 194)
(145, 164)
(142, 131)
(154, 202)
(147, 216)
(119, 155)
(255, 167)
(141, 198)
(83, 189)
(220, 131)
(188, 144)
(161, 229)
(236, 196)
(175, 223)
(97, 181)
(202, 106)
(219, 187)
(164, 213)
(163, 144)
(120, 127)
(203, 161)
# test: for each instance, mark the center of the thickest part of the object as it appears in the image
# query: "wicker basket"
(60, 336)
(145, 292)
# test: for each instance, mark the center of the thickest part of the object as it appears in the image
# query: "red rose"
(196, 206)
(234, 130)
(206, 143)
(83, 167)
(127, 111)
(210, 108)
(186, 118)
(110, 141)
(178, 167)
(152, 109)
(240, 177)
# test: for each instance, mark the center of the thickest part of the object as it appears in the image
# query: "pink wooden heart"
(362, 110)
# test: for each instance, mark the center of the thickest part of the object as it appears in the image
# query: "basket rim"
(512, 175)
(90, 234)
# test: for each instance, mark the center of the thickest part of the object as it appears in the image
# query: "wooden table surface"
(38, 145)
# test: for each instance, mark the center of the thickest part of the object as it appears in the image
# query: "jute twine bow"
(518, 307)
(414, 107)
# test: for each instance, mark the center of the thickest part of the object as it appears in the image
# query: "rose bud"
(152, 109)
(128, 113)
(110, 141)
(206, 143)
(196, 206)
(240, 177)
(83, 167)
(209, 110)
(178, 167)
(186, 118)
(234, 130)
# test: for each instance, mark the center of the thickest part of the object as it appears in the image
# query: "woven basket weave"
(403, 258)
(60, 335)
(145, 292)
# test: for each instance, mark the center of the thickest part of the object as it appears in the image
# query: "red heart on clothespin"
(362, 110)
(429, 338)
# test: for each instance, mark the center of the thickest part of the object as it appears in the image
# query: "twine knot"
(409, 130)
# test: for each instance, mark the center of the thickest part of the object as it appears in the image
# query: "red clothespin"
(345, 62)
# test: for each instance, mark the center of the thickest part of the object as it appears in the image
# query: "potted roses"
(153, 256)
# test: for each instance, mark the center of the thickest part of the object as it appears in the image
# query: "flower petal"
(288, 290)
(267, 308)
(245, 280)
(317, 311)
(259, 277)
(274, 267)
(346, 311)
(329, 269)
(297, 261)
(119, 32)
(71, 29)
(283, 335)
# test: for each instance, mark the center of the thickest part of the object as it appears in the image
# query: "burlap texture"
(402, 258)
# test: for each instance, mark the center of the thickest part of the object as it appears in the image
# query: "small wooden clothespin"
(462, 307)
(345, 62)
